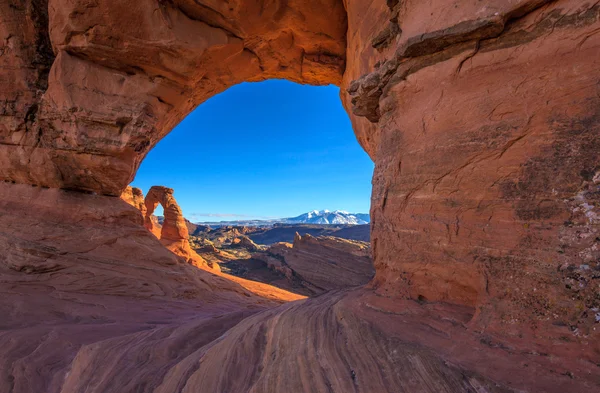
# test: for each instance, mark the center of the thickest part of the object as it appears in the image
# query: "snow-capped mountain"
(329, 217)
(318, 217)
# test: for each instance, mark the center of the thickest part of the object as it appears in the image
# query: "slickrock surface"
(76, 269)
(482, 119)
(321, 263)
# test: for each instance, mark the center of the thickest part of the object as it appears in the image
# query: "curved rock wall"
(483, 124)
(173, 233)
(481, 118)
(322, 263)
(124, 74)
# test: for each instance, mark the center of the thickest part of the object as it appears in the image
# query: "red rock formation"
(135, 197)
(275, 259)
(483, 125)
(174, 228)
(322, 263)
(247, 243)
(481, 118)
(173, 233)
(123, 75)
(192, 228)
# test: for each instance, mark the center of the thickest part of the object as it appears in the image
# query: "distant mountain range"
(329, 217)
(318, 217)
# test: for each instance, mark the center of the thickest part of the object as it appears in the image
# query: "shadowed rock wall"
(483, 122)
(481, 118)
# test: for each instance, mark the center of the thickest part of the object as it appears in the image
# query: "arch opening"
(264, 163)
(123, 78)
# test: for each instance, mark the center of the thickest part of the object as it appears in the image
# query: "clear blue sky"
(262, 150)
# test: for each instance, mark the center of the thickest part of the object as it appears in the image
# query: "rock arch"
(173, 228)
(173, 233)
(104, 81)
(119, 76)
(481, 117)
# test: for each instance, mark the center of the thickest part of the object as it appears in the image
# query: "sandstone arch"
(481, 117)
(123, 75)
(173, 228)
(173, 233)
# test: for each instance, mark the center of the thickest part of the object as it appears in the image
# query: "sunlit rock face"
(173, 233)
(173, 227)
(481, 118)
(135, 197)
(483, 122)
(91, 87)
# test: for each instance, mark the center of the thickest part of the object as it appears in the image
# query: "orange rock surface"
(321, 263)
(482, 119)
(173, 233)
(485, 151)
(91, 87)
(174, 236)
(135, 197)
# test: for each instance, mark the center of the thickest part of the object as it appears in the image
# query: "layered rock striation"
(483, 125)
(321, 263)
(91, 87)
(481, 118)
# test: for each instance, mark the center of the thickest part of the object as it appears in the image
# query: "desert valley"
(309, 266)
(477, 268)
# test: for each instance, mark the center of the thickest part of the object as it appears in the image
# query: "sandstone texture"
(135, 197)
(321, 263)
(173, 232)
(309, 267)
(90, 87)
(482, 119)
(174, 227)
(484, 128)
(78, 269)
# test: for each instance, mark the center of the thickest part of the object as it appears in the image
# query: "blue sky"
(262, 150)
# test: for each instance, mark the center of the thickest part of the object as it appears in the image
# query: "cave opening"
(256, 165)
